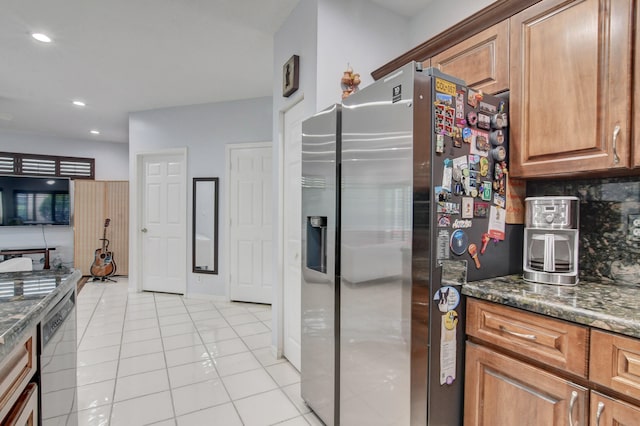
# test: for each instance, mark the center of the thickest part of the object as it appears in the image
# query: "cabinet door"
(606, 411)
(500, 390)
(570, 82)
(615, 362)
(482, 60)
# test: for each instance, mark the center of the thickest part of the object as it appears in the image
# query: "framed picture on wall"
(290, 76)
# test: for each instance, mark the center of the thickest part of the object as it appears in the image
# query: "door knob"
(144, 229)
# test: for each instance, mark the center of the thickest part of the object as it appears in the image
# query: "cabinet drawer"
(25, 411)
(16, 371)
(615, 362)
(553, 342)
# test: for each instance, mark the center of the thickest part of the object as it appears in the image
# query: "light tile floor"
(154, 358)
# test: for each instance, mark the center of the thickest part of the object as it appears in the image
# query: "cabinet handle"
(521, 335)
(616, 132)
(599, 412)
(574, 398)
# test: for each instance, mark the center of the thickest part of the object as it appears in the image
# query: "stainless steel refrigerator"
(406, 174)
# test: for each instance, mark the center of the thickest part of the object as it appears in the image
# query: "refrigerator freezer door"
(320, 138)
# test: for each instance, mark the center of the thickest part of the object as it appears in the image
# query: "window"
(46, 165)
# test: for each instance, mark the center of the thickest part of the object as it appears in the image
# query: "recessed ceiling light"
(51, 182)
(41, 37)
(79, 103)
(95, 132)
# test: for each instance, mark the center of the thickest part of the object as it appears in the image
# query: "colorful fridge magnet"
(484, 166)
(485, 240)
(457, 137)
(484, 121)
(473, 252)
(467, 208)
(444, 220)
(448, 298)
(442, 246)
(448, 348)
(480, 209)
(497, 222)
(459, 242)
(439, 143)
(472, 98)
(486, 191)
(467, 135)
(460, 121)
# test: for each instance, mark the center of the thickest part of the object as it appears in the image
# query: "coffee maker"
(551, 240)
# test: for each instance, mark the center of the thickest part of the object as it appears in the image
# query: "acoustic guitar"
(103, 264)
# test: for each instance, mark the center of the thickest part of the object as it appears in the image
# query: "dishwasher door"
(58, 364)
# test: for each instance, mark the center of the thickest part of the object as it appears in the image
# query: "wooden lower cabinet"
(25, 411)
(606, 411)
(508, 379)
(500, 390)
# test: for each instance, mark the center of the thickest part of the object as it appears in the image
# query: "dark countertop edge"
(561, 311)
(16, 332)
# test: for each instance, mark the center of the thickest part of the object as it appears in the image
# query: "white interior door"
(163, 224)
(292, 198)
(250, 189)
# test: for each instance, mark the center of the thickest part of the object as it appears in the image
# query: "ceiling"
(121, 56)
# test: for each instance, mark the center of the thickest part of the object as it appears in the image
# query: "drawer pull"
(521, 335)
(572, 403)
(599, 412)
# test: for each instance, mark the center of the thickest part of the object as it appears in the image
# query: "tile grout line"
(213, 361)
(211, 307)
(166, 364)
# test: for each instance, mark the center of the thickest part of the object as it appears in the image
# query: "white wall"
(111, 163)
(112, 159)
(326, 34)
(204, 130)
(441, 15)
(358, 33)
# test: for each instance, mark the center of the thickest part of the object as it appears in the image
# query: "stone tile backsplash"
(607, 251)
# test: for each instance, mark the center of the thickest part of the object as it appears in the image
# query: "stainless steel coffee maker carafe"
(551, 240)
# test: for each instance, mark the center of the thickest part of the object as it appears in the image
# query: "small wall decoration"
(349, 82)
(290, 76)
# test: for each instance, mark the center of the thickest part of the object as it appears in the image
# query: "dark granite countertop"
(594, 303)
(26, 297)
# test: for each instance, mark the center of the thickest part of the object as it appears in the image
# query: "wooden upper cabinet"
(570, 87)
(482, 60)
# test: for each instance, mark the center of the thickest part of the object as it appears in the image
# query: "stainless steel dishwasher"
(58, 364)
